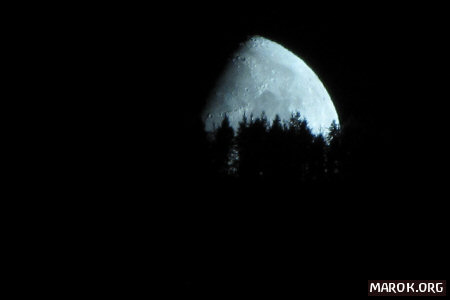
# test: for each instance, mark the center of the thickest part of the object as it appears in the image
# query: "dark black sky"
(386, 71)
(377, 63)
(384, 67)
(141, 76)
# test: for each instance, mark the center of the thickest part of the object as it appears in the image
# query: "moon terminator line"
(263, 76)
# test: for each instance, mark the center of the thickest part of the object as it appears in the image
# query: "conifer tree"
(221, 147)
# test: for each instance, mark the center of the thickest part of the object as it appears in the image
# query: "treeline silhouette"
(355, 155)
(259, 186)
(275, 150)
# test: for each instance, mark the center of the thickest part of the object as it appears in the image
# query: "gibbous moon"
(263, 76)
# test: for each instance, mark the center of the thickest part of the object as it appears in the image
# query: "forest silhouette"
(274, 150)
(272, 189)
(354, 156)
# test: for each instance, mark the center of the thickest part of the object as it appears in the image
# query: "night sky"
(124, 176)
(385, 69)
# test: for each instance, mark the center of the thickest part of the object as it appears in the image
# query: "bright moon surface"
(263, 76)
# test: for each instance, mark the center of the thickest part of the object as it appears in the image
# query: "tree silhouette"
(276, 151)
(221, 147)
(334, 153)
(317, 168)
(299, 140)
(251, 141)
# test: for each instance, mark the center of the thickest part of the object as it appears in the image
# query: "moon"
(263, 76)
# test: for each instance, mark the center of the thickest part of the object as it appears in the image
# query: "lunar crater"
(263, 76)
